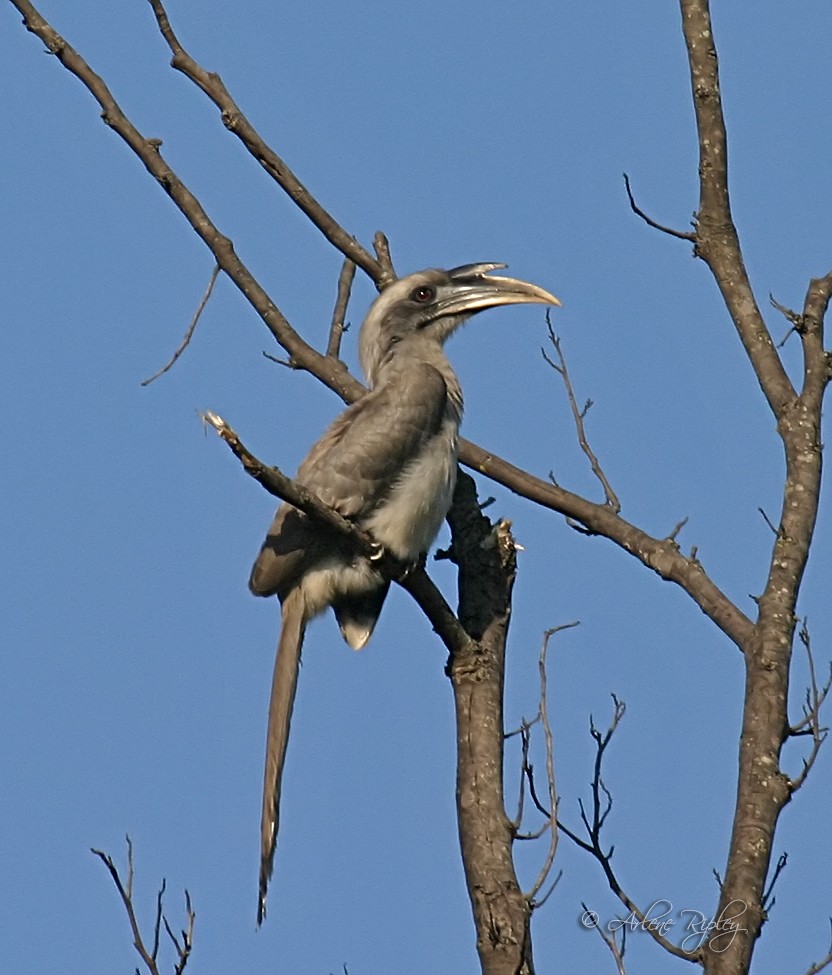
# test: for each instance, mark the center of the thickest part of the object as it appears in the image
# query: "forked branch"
(579, 415)
(594, 821)
(810, 723)
(183, 944)
(716, 239)
(237, 123)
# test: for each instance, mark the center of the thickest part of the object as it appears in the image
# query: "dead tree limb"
(763, 787)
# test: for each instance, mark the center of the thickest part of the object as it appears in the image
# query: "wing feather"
(353, 468)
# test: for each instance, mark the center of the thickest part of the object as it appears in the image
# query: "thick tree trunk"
(485, 554)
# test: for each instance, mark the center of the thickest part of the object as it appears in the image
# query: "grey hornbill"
(388, 463)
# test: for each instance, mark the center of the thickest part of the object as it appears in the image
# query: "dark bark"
(485, 555)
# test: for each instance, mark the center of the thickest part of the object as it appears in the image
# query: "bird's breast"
(407, 521)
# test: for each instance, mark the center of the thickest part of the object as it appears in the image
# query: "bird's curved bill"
(473, 289)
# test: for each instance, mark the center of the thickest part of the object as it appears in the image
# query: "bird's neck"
(401, 357)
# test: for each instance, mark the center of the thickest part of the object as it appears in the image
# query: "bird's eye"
(423, 294)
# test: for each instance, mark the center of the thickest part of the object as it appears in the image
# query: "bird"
(389, 464)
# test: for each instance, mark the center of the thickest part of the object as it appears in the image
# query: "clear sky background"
(136, 666)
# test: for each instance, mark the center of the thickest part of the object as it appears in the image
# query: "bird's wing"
(356, 462)
(352, 468)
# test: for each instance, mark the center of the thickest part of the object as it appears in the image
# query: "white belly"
(408, 521)
(332, 579)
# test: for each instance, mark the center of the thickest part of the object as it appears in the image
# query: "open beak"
(473, 290)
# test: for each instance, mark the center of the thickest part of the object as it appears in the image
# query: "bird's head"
(430, 305)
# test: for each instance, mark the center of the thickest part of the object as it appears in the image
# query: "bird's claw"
(376, 552)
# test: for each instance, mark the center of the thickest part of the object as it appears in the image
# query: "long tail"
(284, 685)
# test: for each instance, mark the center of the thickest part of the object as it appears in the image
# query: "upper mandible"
(429, 305)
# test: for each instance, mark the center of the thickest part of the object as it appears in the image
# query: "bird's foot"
(414, 566)
(376, 552)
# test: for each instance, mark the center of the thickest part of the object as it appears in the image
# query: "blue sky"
(136, 667)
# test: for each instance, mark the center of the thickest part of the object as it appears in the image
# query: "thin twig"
(237, 123)
(333, 374)
(578, 415)
(816, 967)
(768, 900)
(381, 245)
(183, 950)
(540, 901)
(525, 741)
(533, 793)
(680, 234)
(286, 363)
(126, 895)
(815, 697)
(157, 924)
(191, 329)
(125, 891)
(548, 738)
(677, 528)
(594, 823)
(797, 322)
(339, 313)
(776, 532)
(611, 941)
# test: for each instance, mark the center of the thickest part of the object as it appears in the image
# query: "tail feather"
(284, 686)
(357, 615)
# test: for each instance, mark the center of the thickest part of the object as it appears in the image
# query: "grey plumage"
(389, 463)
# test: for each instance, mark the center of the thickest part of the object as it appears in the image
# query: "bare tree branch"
(769, 899)
(810, 723)
(763, 788)
(717, 242)
(659, 554)
(150, 957)
(816, 967)
(525, 741)
(190, 331)
(412, 578)
(774, 530)
(332, 373)
(795, 320)
(339, 313)
(578, 415)
(183, 949)
(611, 942)
(548, 738)
(594, 824)
(680, 234)
(237, 123)
(381, 245)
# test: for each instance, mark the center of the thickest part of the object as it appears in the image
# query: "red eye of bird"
(422, 294)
